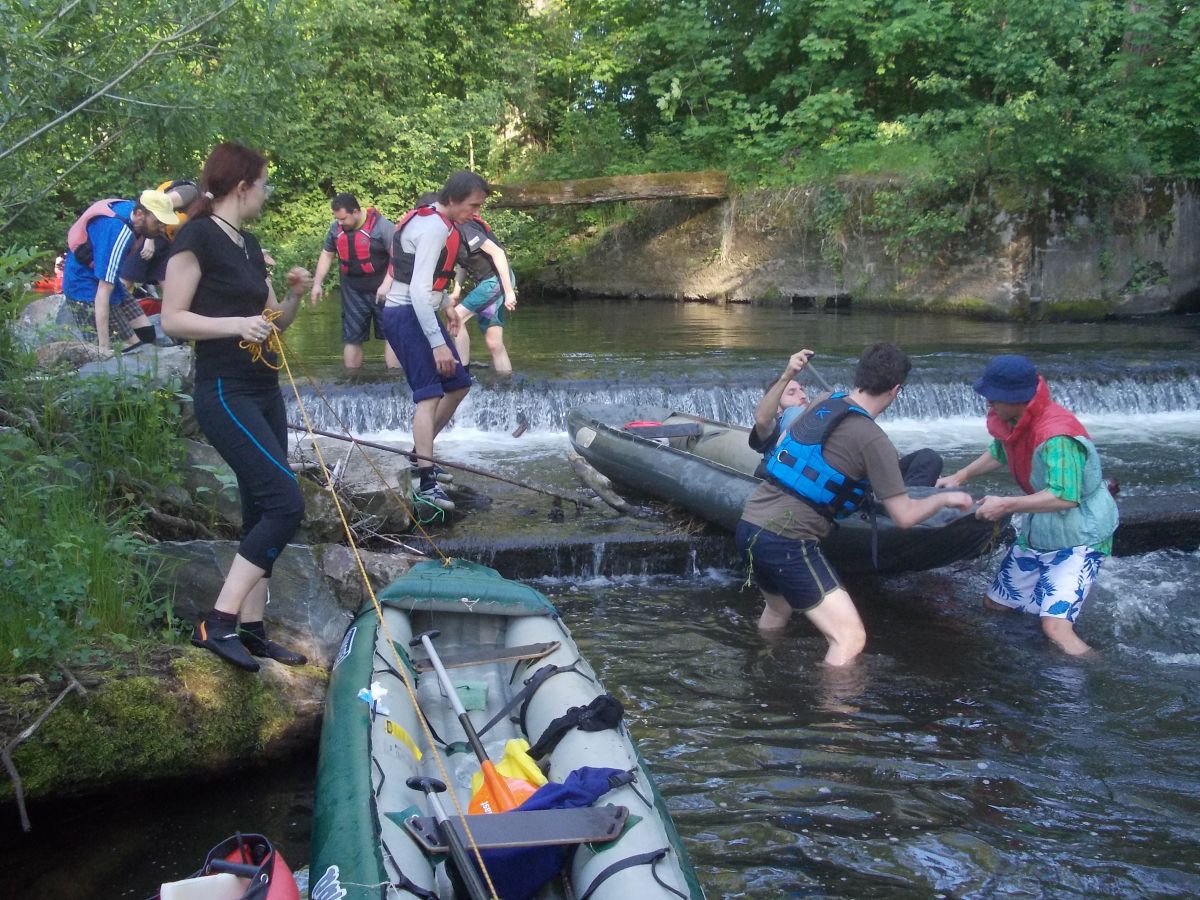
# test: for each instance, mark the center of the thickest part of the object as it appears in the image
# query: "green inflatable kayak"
(517, 676)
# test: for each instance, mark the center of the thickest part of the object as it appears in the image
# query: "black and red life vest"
(478, 264)
(358, 263)
(403, 263)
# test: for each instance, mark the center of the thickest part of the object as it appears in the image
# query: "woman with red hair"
(217, 294)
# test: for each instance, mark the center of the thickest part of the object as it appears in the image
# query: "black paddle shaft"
(431, 787)
(821, 382)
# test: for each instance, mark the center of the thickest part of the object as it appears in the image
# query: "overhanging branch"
(150, 53)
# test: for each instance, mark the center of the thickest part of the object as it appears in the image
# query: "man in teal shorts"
(494, 293)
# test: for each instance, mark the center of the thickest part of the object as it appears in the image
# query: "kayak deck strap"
(684, 429)
(518, 828)
(484, 655)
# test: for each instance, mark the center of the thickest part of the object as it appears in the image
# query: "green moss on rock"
(1089, 310)
(199, 718)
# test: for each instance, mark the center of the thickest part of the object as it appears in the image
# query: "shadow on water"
(961, 758)
(128, 843)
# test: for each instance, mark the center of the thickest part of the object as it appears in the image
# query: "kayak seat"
(521, 828)
(728, 447)
(664, 432)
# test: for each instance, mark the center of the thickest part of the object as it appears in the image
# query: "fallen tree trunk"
(710, 185)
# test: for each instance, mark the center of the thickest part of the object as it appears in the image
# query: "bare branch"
(133, 67)
(62, 12)
(6, 754)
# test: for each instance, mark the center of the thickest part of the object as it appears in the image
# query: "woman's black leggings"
(247, 424)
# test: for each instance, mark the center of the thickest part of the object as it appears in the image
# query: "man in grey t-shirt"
(361, 241)
(780, 531)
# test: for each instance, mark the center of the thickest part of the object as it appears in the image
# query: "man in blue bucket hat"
(1070, 514)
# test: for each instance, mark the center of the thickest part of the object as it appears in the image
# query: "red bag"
(260, 868)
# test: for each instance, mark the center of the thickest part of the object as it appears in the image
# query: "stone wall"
(1138, 254)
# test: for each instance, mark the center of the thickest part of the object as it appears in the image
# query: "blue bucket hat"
(1008, 379)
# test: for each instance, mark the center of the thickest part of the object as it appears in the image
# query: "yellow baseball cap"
(160, 205)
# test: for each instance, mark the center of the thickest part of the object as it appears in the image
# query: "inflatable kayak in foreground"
(510, 674)
(707, 468)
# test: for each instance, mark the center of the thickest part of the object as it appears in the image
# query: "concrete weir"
(1166, 522)
(1163, 522)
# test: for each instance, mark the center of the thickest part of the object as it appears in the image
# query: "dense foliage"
(384, 99)
(941, 101)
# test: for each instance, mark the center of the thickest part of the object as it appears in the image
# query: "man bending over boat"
(824, 463)
(1068, 531)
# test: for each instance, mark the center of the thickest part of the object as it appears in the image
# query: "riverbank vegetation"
(957, 98)
(941, 103)
(75, 578)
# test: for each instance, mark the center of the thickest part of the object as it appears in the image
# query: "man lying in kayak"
(921, 468)
(825, 461)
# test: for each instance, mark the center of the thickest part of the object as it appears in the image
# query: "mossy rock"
(1089, 310)
(198, 718)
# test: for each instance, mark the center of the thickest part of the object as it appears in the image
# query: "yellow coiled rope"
(273, 343)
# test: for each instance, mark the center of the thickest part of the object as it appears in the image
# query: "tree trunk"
(686, 185)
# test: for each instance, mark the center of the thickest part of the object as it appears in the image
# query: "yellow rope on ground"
(280, 348)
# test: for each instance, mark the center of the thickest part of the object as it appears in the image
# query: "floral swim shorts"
(1052, 583)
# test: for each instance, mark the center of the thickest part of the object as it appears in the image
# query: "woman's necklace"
(234, 234)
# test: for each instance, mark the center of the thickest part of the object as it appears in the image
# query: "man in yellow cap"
(97, 244)
(146, 262)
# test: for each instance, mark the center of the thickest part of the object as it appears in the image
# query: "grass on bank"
(75, 576)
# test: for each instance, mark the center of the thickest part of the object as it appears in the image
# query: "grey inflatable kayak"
(707, 467)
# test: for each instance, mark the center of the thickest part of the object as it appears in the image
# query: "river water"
(961, 757)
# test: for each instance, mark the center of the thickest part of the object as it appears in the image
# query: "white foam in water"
(1148, 604)
(965, 432)
(475, 447)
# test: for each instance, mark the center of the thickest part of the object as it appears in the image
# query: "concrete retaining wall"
(1139, 254)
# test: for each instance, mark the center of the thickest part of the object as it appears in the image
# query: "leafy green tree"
(99, 101)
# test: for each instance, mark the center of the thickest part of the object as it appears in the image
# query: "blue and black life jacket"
(798, 462)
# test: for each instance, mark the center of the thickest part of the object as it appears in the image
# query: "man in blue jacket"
(91, 277)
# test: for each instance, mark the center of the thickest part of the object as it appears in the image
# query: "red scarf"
(1042, 420)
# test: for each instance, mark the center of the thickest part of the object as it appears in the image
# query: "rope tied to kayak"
(405, 678)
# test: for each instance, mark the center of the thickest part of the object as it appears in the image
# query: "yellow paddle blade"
(516, 763)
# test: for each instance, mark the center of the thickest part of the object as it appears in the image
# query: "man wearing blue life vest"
(98, 243)
(921, 468)
(1070, 512)
(424, 249)
(361, 241)
(826, 461)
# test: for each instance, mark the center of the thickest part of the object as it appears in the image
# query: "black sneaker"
(268, 649)
(438, 472)
(434, 496)
(224, 644)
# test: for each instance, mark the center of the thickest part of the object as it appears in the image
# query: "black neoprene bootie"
(218, 633)
(254, 638)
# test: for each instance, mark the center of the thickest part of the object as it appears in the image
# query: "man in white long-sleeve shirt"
(423, 252)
